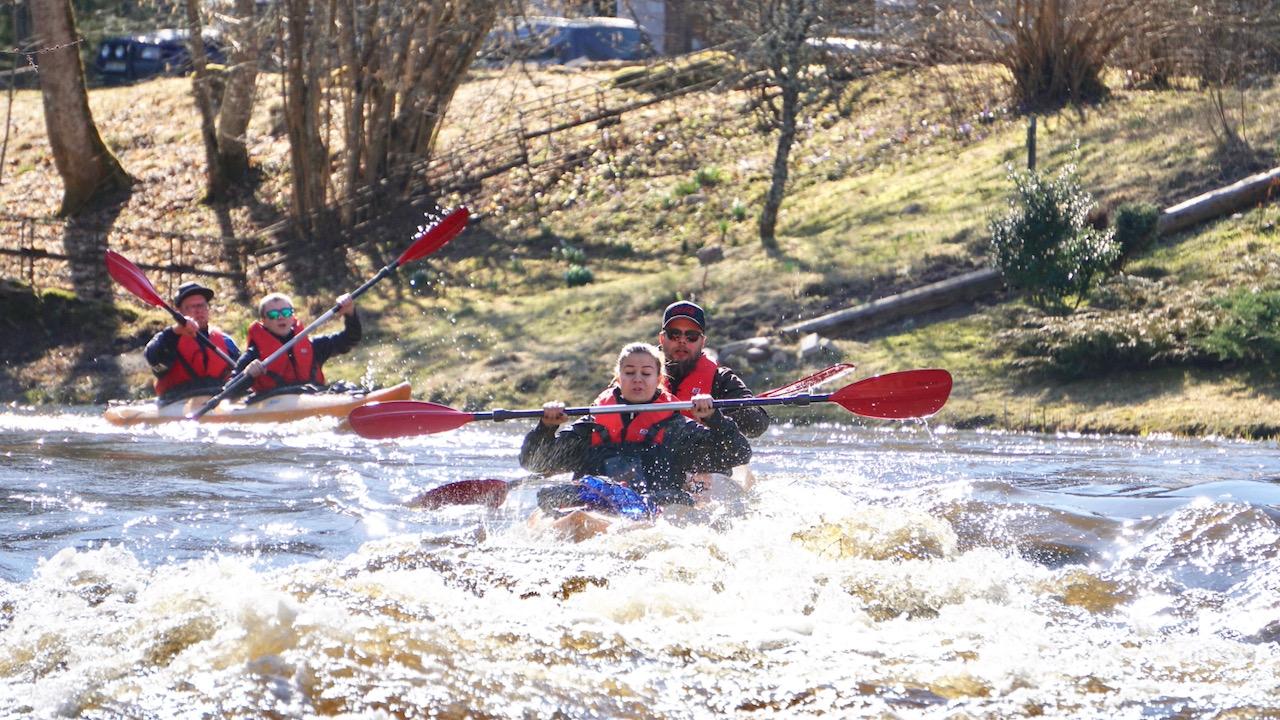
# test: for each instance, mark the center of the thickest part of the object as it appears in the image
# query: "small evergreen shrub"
(686, 187)
(1248, 329)
(1134, 324)
(1136, 228)
(420, 281)
(572, 255)
(1044, 245)
(708, 176)
(578, 275)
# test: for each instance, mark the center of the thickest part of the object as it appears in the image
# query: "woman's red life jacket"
(699, 380)
(195, 361)
(639, 430)
(295, 367)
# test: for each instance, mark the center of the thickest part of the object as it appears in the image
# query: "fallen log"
(934, 296)
(1250, 191)
(1216, 203)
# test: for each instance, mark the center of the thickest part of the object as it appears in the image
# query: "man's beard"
(680, 368)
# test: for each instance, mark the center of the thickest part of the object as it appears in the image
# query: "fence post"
(1031, 142)
(522, 139)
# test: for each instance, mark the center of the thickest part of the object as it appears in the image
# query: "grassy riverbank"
(891, 187)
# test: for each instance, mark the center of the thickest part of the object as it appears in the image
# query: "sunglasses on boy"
(284, 312)
(689, 335)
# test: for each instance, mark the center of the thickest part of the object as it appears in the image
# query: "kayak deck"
(279, 408)
(714, 495)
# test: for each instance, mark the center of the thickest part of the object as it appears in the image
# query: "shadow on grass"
(88, 326)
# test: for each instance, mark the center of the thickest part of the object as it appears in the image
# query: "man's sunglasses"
(286, 312)
(689, 335)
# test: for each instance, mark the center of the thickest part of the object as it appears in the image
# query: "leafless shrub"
(1055, 50)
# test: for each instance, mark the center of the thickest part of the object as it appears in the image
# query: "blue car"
(163, 52)
(558, 40)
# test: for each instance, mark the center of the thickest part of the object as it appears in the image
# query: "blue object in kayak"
(601, 494)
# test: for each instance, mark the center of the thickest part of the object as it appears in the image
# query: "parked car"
(565, 40)
(163, 52)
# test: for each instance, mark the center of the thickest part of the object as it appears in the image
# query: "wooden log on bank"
(1252, 190)
(934, 296)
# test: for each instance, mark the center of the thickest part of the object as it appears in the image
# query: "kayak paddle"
(894, 396)
(130, 276)
(808, 382)
(493, 492)
(427, 242)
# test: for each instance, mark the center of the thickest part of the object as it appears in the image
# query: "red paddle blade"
(435, 237)
(895, 396)
(402, 418)
(489, 492)
(128, 275)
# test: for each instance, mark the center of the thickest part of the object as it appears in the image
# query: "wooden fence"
(548, 137)
(55, 253)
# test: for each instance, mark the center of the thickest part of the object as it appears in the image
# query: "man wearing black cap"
(183, 365)
(690, 371)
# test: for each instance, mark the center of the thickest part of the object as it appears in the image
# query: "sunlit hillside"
(892, 187)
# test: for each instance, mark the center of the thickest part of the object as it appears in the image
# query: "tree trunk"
(202, 88)
(353, 100)
(307, 152)
(89, 170)
(781, 155)
(237, 98)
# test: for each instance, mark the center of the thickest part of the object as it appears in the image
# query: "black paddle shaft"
(238, 382)
(799, 399)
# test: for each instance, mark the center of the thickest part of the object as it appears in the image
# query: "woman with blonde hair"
(649, 454)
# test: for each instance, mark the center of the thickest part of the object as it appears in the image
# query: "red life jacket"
(699, 379)
(639, 430)
(195, 361)
(295, 367)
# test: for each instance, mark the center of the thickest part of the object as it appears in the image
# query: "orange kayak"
(280, 408)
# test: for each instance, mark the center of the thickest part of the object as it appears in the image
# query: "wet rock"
(814, 345)
(739, 348)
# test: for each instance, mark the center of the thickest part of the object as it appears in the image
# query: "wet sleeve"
(751, 421)
(712, 447)
(250, 354)
(162, 351)
(546, 452)
(326, 346)
(233, 351)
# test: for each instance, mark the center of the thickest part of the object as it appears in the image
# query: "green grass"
(888, 187)
(895, 208)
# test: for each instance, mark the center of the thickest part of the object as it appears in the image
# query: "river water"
(880, 570)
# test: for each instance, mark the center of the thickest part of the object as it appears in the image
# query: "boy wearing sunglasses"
(302, 364)
(690, 371)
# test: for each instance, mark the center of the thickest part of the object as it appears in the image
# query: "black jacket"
(752, 421)
(686, 447)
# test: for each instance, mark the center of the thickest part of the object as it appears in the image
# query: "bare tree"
(1229, 46)
(776, 41)
(225, 102)
(89, 170)
(367, 84)
(1056, 50)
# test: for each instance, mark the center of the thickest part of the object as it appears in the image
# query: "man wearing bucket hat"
(183, 365)
(691, 371)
